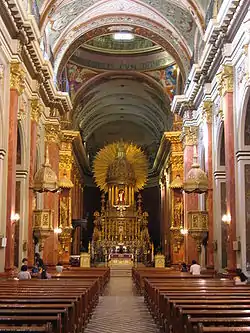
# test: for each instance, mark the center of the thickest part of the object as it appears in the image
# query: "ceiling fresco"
(120, 90)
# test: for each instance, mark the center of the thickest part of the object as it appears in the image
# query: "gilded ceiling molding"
(17, 77)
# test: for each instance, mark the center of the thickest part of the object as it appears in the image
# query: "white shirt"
(24, 275)
(195, 269)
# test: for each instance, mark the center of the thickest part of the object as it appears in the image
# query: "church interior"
(125, 160)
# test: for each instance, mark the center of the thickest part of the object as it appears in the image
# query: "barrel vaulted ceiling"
(121, 90)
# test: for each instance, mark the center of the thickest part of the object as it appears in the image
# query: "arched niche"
(222, 147)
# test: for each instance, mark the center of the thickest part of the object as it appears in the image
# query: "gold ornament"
(120, 160)
(190, 135)
(35, 109)
(207, 112)
(225, 80)
(17, 75)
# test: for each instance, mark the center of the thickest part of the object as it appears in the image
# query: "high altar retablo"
(121, 221)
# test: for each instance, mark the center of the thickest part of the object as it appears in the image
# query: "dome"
(196, 180)
(121, 171)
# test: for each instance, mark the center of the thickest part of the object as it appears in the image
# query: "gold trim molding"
(17, 76)
(177, 161)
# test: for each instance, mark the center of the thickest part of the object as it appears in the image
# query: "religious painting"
(167, 77)
(247, 214)
(121, 197)
(77, 76)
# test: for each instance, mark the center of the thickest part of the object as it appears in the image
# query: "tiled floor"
(121, 310)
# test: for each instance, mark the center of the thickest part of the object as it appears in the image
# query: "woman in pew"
(240, 277)
(24, 274)
(44, 274)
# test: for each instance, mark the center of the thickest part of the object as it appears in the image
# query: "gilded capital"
(52, 132)
(17, 75)
(207, 111)
(225, 80)
(175, 139)
(35, 111)
(190, 135)
(67, 137)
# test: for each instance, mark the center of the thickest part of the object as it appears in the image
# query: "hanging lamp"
(45, 179)
(177, 183)
(196, 179)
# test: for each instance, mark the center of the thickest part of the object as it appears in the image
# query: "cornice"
(214, 38)
(23, 27)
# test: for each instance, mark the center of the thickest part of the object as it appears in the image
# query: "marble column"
(207, 113)
(16, 89)
(225, 87)
(35, 116)
(190, 200)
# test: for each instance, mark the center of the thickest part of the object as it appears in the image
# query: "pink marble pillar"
(11, 180)
(209, 196)
(230, 177)
(51, 201)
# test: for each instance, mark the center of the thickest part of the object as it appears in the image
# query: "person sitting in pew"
(24, 274)
(195, 268)
(184, 267)
(240, 277)
(59, 267)
(44, 274)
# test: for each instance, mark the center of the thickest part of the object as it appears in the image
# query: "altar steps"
(121, 270)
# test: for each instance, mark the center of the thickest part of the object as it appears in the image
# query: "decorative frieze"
(17, 76)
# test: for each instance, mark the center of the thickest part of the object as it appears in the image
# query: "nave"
(121, 310)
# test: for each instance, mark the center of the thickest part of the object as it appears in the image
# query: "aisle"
(121, 310)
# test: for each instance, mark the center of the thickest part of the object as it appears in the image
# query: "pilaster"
(17, 76)
(225, 87)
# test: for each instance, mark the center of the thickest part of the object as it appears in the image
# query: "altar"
(120, 259)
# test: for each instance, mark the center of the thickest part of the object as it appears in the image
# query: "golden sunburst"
(107, 155)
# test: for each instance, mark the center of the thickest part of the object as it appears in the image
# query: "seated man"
(195, 268)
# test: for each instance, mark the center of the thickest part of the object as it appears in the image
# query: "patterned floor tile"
(121, 310)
